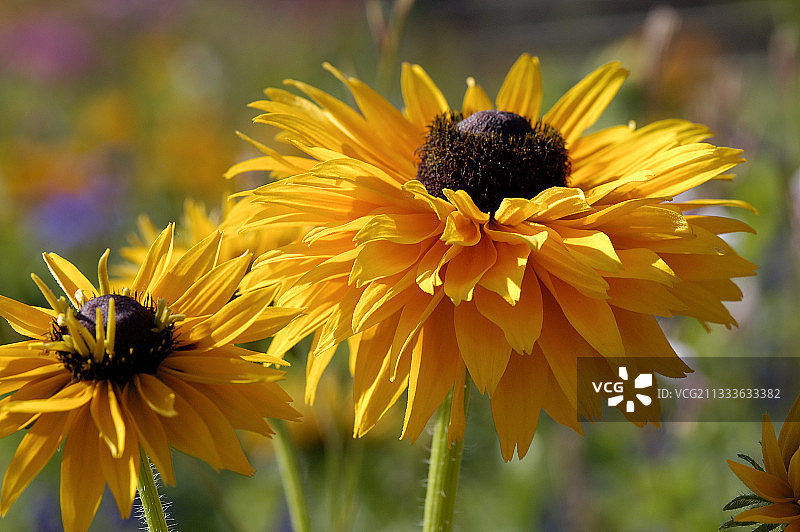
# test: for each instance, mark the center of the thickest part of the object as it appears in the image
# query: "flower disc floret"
(134, 341)
(492, 155)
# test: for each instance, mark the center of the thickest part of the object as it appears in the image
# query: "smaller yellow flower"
(152, 365)
(197, 222)
(778, 483)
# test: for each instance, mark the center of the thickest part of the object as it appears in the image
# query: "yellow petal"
(763, 484)
(377, 110)
(726, 264)
(159, 397)
(33, 322)
(460, 230)
(583, 104)
(374, 391)
(465, 270)
(33, 452)
(515, 210)
(380, 259)
(789, 436)
(431, 263)
(191, 266)
(241, 413)
(475, 99)
(217, 370)
(465, 205)
(82, 481)
(643, 296)
(517, 402)
(771, 513)
(558, 202)
(18, 372)
(793, 474)
(700, 203)
(642, 337)
(201, 415)
(643, 264)
(505, 277)
(647, 223)
(562, 346)
(11, 422)
(274, 162)
(431, 377)
(719, 224)
(412, 318)
(555, 259)
(122, 472)
(702, 304)
(68, 398)
(422, 97)
(108, 417)
(208, 294)
(399, 228)
(246, 318)
(684, 167)
(155, 262)
(594, 246)
(592, 318)
(382, 298)
(522, 323)
(69, 278)
(149, 431)
(483, 347)
(521, 92)
(773, 460)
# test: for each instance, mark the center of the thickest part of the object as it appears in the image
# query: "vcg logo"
(643, 380)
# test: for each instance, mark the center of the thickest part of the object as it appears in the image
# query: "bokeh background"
(113, 108)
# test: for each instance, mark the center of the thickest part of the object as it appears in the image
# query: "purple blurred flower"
(46, 47)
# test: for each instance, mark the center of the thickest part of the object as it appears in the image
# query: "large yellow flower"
(777, 484)
(490, 240)
(151, 365)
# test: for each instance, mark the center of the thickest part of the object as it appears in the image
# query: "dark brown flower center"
(492, 155)
(139, 344)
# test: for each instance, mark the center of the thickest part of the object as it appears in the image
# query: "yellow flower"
(196, 224)
(491, 240)
(151, 365)
(778, 483)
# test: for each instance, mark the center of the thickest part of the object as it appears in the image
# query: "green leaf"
(752, 462)
(741, 501)
(730, 523)
(766, 527)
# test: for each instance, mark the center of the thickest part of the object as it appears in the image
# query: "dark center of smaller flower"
(139, 346)
(492, 155)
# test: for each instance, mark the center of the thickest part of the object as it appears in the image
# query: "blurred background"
(114, 108)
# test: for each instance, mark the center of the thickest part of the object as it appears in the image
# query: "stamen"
(102, 273)
(57, 304)
(164, 317)
(76, 334)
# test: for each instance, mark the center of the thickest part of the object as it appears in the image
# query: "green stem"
(148, 493)
(290, 477)
(443, 470)
(388, 34)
